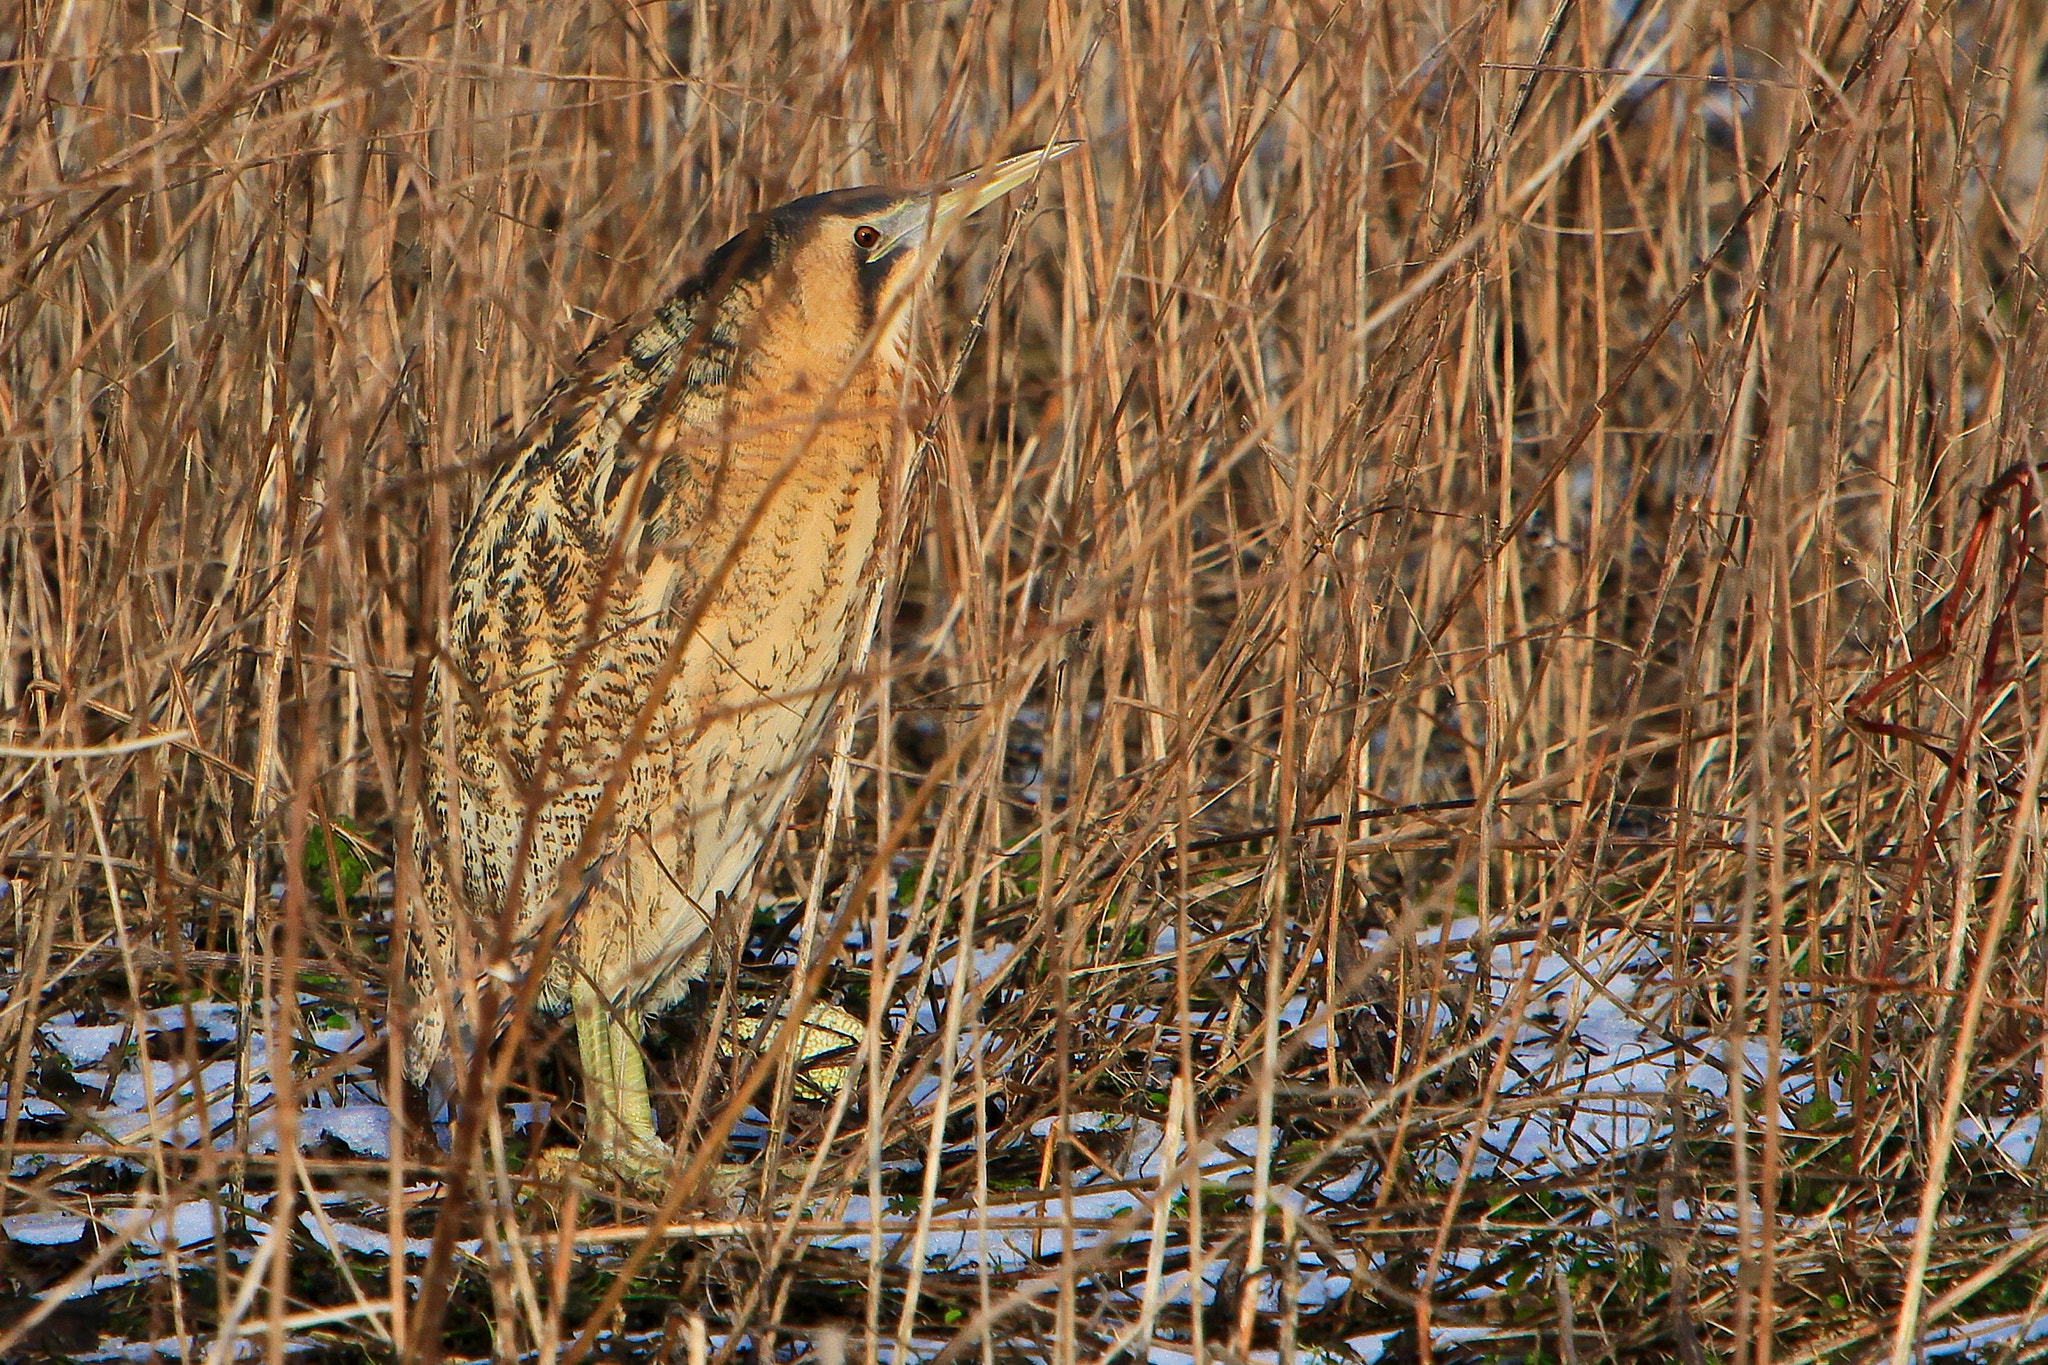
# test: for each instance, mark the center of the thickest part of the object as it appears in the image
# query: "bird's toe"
(635, 1162)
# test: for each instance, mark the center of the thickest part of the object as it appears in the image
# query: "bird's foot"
(576, 1173)
(823, 1049)
(632, 1160)
(730, 1189)
(635, 1166)
(737, 1186)
(554, 1166)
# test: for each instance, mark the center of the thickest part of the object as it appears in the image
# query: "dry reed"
(1556, 429)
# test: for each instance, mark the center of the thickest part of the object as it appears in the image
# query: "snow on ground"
(43, 1229)
(1594, 1073)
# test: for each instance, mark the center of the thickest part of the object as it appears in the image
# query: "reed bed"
(1449, 778)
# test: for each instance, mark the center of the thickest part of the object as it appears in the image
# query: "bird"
(651, 612)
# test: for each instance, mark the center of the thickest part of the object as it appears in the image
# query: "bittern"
(652, 612)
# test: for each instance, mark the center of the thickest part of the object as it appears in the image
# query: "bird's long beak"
(932, 219)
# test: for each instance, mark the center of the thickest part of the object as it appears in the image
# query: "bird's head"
(829, 277)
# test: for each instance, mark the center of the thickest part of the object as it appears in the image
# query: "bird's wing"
(546, 589)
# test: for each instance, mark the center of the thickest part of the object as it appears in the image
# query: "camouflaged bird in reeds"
(586, 555)
(651, 614)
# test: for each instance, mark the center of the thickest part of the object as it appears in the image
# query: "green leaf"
(336, 886)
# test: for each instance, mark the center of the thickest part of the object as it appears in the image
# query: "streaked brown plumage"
(724, 468)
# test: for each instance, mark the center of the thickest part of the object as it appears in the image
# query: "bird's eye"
(865, 237)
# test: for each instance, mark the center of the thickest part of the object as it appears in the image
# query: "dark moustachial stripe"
(872, 276)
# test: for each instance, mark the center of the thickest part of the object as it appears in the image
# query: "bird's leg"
(620, 1134)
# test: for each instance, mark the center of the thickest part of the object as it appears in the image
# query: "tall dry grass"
(1544, 420)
